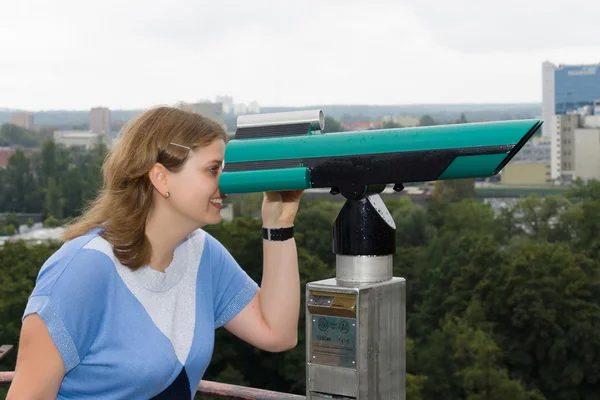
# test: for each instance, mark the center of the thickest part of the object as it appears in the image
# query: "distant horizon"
(316, 105)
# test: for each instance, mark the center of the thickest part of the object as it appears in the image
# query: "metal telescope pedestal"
(355, 323)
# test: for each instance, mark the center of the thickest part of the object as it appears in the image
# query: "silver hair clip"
(180, 145)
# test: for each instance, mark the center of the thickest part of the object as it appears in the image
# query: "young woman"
(127, 307)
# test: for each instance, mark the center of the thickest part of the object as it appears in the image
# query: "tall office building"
(23, 119)
(570, 98)
(567, 89)
(100, 120)
(575, 151)
(563, 138)
(547, 97)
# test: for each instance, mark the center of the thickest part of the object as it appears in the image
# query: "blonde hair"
(121, 207)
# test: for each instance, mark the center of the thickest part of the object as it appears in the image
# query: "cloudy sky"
(76, 54)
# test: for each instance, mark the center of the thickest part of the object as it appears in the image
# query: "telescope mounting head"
(353, 191)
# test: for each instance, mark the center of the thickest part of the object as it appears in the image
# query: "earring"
(167, 195)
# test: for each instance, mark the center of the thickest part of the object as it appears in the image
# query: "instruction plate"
(333, 341)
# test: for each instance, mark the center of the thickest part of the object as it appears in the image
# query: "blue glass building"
(575, 86)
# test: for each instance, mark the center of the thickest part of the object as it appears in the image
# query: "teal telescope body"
(286, 151)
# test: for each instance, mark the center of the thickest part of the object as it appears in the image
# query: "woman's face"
(194, 191)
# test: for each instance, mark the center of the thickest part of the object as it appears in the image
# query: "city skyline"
(434, 105)
(287, 54)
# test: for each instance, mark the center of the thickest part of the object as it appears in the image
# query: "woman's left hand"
(279, 209)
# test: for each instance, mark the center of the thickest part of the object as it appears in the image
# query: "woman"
(127, 307)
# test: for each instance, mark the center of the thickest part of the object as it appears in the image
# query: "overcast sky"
(76, 54)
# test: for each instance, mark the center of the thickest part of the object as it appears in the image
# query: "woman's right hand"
(40, 369)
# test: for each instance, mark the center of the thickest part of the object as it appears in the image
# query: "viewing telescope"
(285, 151)
(356, 322)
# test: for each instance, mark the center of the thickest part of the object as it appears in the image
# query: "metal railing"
(4, 350)
(226, 391)
(206, 388)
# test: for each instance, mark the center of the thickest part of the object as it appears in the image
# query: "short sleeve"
(70, 296)
(232, 288)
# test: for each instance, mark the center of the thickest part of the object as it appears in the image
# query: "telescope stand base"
(355, 335)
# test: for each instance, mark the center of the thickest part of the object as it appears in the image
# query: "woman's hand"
(279, 209)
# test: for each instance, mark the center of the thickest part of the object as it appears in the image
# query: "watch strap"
(278, 234)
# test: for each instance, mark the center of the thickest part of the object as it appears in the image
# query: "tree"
(470, 216)
(414, 386)
(546, 314)
(435, 360)
(583, 191)
(8, 230)
(482, 375)
(455, 189)
(390, 125)
(73, 190)
(426, 120)
(414, 382)
(3, 190)
(463, 362)
(579, 223)
(20, 265)
(541, 218)
(412, 225)
(11, 219)
(54, 200)
(93, 174)
(20, 184)
(315, 225)
(587, 237)
(450, 269)
(247, 204)
(24, 184)
(49, 163)
(232, 376)
(13, 135)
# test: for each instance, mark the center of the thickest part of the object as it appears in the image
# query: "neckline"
(151, 279)
(156, 281)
